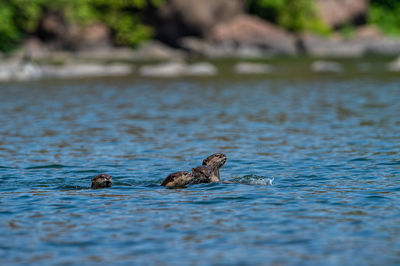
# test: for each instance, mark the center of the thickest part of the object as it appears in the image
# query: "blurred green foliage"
(19, 17)
(125, 17)
(385, 14)
(8, 32)
(16, 17)
(293, 15)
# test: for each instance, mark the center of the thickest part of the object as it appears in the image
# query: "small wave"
(390, 163)
(253, 180)
(84, 171)
(48, 166)
(359, 159)
(70, 187)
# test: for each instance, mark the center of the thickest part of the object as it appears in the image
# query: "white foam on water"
(254, 180)
(261, 182)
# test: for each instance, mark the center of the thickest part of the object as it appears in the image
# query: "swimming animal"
(101, 181)
(178, 179)
(201, 174)
(215, 161)
(207, 173)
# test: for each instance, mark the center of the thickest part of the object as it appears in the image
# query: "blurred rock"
(169, 69)
(35, 49)
(16, 70)
(384, 46)
(201, 69)
(175, 69)
(317, 46)
(55, 30)
(201, 47)
(249, 30)
(115, 54)
(326, 66)
(375, 42)
(151, 50)
(252, 68)
(366, 40)
(368, 32)
(195, 45)
(251, 51)
(394, 66)
(337, 12)
(179, 18)
(94, 36)
(86, 70)
(154, 50)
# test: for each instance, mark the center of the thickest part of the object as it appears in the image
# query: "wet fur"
(178, 179)
(215, 162)
(201, 174)
(101, 181)
(207, 173)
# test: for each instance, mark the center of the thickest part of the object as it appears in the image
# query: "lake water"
(330, 143)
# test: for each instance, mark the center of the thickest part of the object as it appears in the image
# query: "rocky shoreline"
(17, 69)
(158, 60)
(188, 31)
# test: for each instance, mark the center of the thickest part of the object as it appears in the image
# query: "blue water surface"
(330, 144)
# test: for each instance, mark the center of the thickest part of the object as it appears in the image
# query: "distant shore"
(168, 36)
(158, 61)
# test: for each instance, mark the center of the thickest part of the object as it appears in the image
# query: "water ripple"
(312, 175)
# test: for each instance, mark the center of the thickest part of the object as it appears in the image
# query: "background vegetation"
(124, 17)
(19, 18)
(386, 15)
(293, 15)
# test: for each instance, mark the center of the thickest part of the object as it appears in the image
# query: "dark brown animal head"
(102, 180)
(178, 179)
(215, 161)
(202, 172)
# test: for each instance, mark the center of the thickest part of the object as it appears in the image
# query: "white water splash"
(254, 180)
(261, 182)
